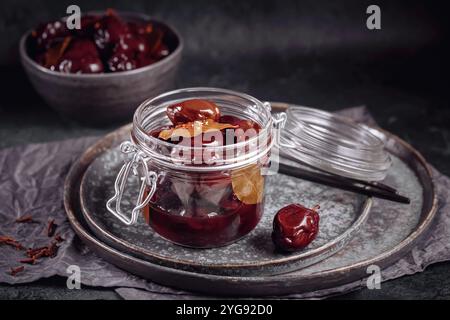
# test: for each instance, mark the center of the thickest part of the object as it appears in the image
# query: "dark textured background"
(316, 53)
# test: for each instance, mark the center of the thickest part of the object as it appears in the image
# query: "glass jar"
(198, 196)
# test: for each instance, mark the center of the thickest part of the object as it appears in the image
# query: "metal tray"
(390, 231)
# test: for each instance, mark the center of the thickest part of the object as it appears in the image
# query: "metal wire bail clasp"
(279, 121)
(149, 179)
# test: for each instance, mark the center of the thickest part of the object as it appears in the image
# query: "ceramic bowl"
(108, 97)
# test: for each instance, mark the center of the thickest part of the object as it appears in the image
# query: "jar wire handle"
(279, 121)
(149, 179)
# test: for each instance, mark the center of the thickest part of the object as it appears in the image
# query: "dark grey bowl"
(108, 97)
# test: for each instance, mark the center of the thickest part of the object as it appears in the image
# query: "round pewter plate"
(391, 230)
(342, 214)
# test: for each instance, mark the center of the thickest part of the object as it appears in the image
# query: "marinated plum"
(121, 61)
(295, 227)
(88, 23)
(46, 34)
(193, 110)
(80, 57)
(245, 128)
(109, 30)
(241, 123)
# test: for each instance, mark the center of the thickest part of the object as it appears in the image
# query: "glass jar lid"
(333, 144)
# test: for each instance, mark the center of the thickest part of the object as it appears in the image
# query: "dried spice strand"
(58, 238)
(5, 239)
(51, 228)
(48, 251)
(149, 28)
(25, 219)
(157, 41)
(35, 252)
(11, 242)
(52, 250)
(28, 261)
(39, 254)
(54, 54)
(15, 271)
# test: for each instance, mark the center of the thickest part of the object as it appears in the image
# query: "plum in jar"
(192, 110)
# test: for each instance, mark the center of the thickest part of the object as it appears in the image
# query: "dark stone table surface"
(314, 53)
